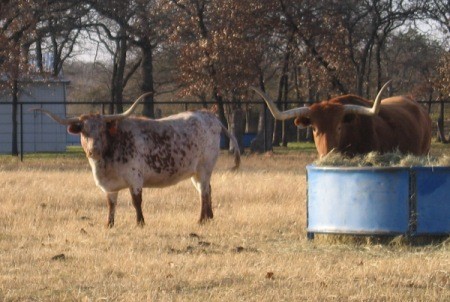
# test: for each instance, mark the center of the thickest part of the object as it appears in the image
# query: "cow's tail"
(237, 153)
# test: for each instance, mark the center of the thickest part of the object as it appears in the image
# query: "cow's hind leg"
(204, 189)
(111, 199)
(136, 195)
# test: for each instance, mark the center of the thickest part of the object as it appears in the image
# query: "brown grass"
(54, 246)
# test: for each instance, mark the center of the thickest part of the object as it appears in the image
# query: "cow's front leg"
(136, 195)
(111, 199)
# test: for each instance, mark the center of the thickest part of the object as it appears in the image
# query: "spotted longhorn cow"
(352, 125)
(137, 152)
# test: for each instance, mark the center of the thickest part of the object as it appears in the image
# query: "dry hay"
(375, 159)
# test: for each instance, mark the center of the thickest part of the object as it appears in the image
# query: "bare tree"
(60, 24)
(216, 47)
(137, 24)
(439, 10)
(339, 39)
(18, 23)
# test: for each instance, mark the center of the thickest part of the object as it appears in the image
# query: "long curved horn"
(356, 109)
(56, 118)
(121, 116)
(281, 115)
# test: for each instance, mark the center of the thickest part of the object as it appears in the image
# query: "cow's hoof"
(204, 220)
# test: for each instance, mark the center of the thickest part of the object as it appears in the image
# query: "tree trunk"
(276, 138)
(440, 124)
(263, 140)
(237, 128)
(279, 125)
(56, 58)
(15, 104)
(312, 96)
(219, 100)
(430, 101)
(378, 62)
(221, 111)
(39, 64)
(147, 77)
(283, 123)
(120, 60)
(369, 74)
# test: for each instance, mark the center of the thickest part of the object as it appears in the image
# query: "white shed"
(40, 133)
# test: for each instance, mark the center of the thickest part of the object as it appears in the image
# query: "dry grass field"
(54, 245)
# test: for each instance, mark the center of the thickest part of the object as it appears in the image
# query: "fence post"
(265, 127)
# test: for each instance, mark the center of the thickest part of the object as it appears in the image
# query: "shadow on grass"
(399, 240)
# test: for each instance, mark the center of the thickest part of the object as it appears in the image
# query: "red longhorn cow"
(137, 152)
(352, 125)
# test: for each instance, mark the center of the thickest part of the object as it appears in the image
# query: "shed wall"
(40, 133)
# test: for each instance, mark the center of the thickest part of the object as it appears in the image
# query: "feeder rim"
(389, 168)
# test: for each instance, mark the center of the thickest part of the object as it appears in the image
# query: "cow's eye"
(75, 128)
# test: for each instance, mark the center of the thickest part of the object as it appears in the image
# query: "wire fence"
(35, 132)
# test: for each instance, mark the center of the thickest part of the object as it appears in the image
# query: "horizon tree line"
(297, 50)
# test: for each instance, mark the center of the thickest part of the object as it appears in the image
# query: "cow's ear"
(112, 128)
(348, 118)
(75, 128)
(302, 121)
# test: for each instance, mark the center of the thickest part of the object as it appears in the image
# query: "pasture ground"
(54, 245)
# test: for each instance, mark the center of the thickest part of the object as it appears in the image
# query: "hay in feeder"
(375, 159)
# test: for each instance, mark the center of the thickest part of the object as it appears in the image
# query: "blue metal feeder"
(378, 201)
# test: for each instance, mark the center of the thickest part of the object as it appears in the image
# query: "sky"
(93, 51)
